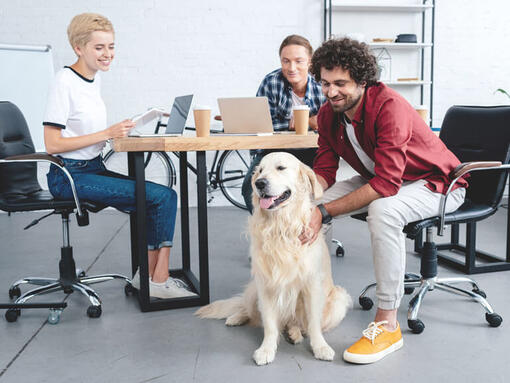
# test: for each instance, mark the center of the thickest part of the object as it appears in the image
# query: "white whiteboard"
(26, 72)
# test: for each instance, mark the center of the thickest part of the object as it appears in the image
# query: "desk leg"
(138, 225)
(202, 227)
(508, 226)
(183, 171)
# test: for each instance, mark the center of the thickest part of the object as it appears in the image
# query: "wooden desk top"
(187, 144)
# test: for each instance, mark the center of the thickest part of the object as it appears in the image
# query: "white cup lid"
(301, 107)
(202, 107)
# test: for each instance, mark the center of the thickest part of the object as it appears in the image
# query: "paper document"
(147, 116)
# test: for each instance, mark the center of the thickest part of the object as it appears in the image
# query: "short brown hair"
(296, 40)
(348, 54)
(82, 26)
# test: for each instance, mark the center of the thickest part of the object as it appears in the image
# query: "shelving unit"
(424, 48)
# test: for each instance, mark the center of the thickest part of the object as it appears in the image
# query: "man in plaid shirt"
(280, 95)
(286, 87)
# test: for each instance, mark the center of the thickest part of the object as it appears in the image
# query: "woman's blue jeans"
(95, 183)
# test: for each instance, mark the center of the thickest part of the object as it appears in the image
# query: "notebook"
(176, 121)
(245, 116)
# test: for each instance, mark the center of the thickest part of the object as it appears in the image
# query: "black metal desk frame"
(139, 254)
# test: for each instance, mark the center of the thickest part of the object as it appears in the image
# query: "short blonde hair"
(82, 26)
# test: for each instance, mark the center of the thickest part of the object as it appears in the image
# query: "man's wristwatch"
(326, 217)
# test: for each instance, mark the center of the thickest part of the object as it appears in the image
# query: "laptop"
(245, 116)
(176, 121)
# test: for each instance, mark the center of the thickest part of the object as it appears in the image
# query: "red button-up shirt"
(393, 135)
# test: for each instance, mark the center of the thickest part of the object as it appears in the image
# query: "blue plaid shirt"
(277, 89)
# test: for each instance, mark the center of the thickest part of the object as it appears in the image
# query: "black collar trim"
(79, 75)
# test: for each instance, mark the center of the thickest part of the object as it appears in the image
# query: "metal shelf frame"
(426, 6)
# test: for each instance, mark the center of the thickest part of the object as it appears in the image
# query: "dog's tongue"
(265, 203)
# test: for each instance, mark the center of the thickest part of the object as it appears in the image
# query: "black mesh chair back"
(480, 133)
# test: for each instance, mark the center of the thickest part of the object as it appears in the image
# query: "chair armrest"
(457, 173)
(466, 167)
(37, 157)
(45, 157)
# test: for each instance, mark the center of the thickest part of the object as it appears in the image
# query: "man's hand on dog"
(310, 233)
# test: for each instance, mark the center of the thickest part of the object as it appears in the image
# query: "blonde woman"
(76, 130)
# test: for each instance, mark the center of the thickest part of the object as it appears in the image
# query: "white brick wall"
(224, 48)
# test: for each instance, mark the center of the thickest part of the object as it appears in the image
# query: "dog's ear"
(309, 174)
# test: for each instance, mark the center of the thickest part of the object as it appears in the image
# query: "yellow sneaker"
(375, 344)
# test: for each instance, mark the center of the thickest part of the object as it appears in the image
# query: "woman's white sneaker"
(168, 289)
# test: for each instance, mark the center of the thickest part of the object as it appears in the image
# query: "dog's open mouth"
(270, 202)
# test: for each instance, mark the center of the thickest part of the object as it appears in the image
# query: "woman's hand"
(120, 129)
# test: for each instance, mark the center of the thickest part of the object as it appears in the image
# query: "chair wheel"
(129, 289)
(12, 315)
(366, 303)
(340, 252)
(54, 316)
(14, 292)
(480, 292)
(94, 311)
(415, 325)
(408, 290)
(493, 319)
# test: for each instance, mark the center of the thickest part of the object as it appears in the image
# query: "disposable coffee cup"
(301, 119)
(202, 115)
(423, 111)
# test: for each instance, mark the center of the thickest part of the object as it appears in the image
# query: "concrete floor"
(174, 346)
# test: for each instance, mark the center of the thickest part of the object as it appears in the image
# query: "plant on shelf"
(502, 91)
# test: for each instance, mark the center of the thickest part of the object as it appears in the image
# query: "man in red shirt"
(403, 170)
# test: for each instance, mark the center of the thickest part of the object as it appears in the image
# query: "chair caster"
(493, 319)
(12, 315)
(80, 273)
(94, 311)
(480, 292)
(340, 252)
(129, 289)
(366, 303)
(408, 290)
(415, 325)
(54, 316)
(14, 292)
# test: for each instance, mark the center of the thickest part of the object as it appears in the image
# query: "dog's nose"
(261, 183)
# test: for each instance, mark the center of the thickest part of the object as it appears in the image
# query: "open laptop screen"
(179, 114)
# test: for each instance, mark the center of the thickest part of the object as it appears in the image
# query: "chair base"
(70, 280)
(424, 285)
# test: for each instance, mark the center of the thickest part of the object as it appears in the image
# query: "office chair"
(480, 138)
(20, 192)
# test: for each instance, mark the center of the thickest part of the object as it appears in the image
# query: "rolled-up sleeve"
(326, 159)
(393, 132)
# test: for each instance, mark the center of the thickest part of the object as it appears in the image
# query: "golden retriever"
(291, 287)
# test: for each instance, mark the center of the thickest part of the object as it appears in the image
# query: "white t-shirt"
(363, 157)
(75, 105)
(296, 100)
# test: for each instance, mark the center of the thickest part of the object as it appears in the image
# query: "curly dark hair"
(349, 54)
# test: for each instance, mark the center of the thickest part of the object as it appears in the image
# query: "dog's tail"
(221, 309)
(337, 304)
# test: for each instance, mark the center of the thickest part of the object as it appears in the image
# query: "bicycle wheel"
(232, 168)
(158, 169)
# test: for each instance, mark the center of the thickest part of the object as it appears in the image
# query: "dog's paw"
(236, 319)
(294, 335)
(324, 352)
(263, 356)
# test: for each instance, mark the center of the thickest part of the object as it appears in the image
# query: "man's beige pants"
(386, 219)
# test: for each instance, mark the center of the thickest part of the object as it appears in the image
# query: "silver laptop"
(245, 116)
(176, 121)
